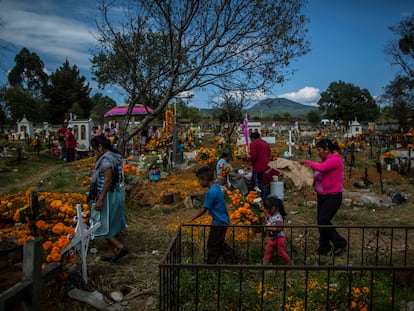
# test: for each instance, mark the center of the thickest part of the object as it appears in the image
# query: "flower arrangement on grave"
(150, 161)
(55, 222)
(245, 211)
(206, 155)
(274, 154)
(389, 157)
(225, 170)
(157, 143)
(35, 142)
(241, 153)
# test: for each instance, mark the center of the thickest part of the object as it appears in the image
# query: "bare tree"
(164, 47)
(402, 49)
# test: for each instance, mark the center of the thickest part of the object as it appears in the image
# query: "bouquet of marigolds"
(389, 157)
(241, 153)
(225, 170)
(206, 155)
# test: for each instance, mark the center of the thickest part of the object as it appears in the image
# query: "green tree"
(66, 88)
(188, 113)
(163, 48)
(28, 73)
(17, 102)
(346, 102)
(400, 93)
(401, 50)
(100, 105)
(313, 116)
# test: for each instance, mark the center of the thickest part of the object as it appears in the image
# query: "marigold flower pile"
(389, 157)
(55, 223)
(206, 155)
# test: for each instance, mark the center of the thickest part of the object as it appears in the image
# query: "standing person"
(107, 197)
(215, 205)
(259, 158)
(274, 222)
(328, 182)
(61, 138)
(70, 144)
(224, 168)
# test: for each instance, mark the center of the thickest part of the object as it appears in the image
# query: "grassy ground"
(148, 233)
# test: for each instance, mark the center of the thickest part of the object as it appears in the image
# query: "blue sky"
(347, 43)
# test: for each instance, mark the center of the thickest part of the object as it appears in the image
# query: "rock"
(311, 203)
(188, 203)
(117, 296)
(347, 202)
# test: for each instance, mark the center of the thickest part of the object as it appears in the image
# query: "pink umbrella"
(122, 110)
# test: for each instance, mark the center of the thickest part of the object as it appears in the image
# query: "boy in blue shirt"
(215, 205)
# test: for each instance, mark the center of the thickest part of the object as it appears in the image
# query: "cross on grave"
(80, 241)
(290, 143)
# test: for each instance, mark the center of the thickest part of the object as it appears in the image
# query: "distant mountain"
(272, 106)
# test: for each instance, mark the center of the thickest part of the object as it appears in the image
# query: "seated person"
(268, 178)
(227, 175)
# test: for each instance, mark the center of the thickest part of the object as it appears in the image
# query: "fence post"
(32, 262)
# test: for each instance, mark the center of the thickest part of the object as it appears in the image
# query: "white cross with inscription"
(80, 241)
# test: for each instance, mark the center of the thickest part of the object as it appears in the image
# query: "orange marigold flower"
(56, 256)
(47, 245)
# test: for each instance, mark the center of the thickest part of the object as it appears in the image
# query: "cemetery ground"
(152, 223)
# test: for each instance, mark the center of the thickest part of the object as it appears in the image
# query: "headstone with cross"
(80, 241)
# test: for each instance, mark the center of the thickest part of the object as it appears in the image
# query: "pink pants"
(280, 243)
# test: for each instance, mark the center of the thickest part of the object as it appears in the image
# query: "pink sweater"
(332, 170)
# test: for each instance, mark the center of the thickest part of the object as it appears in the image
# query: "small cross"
(80, 241)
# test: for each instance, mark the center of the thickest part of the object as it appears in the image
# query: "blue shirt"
(214, 203)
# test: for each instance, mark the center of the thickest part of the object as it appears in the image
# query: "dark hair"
(254, 135)
(206, 173)
(325, 143)
(226, 153)
(101, 140)
(273, 201)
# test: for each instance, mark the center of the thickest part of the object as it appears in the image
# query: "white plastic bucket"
(276, 189)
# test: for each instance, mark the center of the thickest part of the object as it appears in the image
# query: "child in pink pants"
(274, 222)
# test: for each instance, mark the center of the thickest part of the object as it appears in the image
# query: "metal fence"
(374, 273)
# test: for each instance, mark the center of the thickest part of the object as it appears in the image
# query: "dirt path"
(25, 181)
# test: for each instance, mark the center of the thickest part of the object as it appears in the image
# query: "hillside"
(272, 106)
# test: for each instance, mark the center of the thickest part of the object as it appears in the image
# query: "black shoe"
(124, 251)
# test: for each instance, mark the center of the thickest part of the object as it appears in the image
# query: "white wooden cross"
(290, 143)
(80, 241)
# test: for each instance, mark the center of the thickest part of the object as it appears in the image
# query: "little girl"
(274, 222)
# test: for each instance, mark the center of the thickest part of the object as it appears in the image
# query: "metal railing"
(375, 272)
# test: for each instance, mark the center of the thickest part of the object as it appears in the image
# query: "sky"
(347, 41)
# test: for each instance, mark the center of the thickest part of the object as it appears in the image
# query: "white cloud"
(249, 96)
(307, 96)
(46, 33)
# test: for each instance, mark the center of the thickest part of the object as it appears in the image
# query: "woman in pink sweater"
(328, 181)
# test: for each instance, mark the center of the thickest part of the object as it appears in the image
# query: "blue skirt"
(112, 215)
